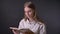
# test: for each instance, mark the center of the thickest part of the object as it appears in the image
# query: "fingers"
(13, 31)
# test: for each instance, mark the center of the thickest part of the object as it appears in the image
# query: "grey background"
(11, 12)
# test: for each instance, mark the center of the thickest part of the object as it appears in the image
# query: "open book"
(22, 30)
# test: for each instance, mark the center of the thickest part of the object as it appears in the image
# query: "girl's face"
(28, 12)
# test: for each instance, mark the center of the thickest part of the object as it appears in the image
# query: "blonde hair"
(32, 6)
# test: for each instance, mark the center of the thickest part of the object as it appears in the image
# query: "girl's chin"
(29, 17)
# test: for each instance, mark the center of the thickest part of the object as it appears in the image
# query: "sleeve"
(21, 25)
(42, 29)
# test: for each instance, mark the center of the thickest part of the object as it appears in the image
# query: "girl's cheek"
(26, 14)
(30, 13)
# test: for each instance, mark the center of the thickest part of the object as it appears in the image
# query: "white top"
(36, 27)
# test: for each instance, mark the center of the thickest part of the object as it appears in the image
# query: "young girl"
(31, 21)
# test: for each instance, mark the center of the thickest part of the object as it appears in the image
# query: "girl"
(31, 21)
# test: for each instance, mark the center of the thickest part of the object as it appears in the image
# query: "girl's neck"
(31, 19)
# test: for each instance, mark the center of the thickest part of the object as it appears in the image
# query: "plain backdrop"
(12, 11)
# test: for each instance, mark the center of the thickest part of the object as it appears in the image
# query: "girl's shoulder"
(22, 19)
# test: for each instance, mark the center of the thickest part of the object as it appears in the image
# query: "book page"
(13, 28)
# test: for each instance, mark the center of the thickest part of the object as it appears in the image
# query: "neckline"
(32, 22)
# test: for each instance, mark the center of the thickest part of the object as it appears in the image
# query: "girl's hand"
(15, 32)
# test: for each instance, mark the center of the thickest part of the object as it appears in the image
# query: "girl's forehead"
(27, 9)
